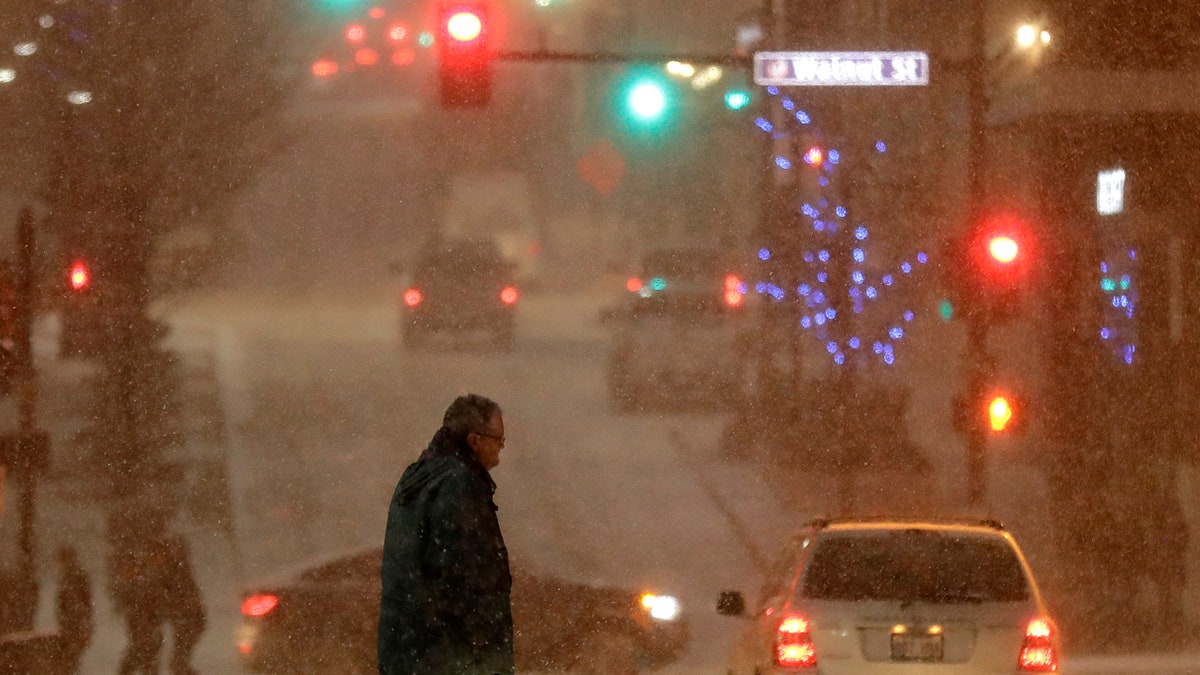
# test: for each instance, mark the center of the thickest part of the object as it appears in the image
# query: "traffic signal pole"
(25, 452)
(978, 359)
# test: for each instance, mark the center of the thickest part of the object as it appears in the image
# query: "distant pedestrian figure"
(445, 608)
(184, 605)
(136, 579)
(74, 608)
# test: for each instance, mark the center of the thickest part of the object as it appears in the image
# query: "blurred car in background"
(677, 335)
(322, 617)
(867, 596)
(461, 287)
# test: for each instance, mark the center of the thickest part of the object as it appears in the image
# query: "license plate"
(909, 647)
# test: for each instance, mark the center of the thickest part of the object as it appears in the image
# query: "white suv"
(867, 596)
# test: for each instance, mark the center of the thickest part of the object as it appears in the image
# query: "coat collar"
(444, 444)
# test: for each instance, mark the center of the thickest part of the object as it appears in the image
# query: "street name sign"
(841, 69)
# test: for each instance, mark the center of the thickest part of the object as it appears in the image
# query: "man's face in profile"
(488, 443)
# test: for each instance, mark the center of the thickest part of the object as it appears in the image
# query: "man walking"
(184, 605)
(445, 607)
(73, 608)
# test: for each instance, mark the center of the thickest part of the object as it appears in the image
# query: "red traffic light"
(1003, 249)
(464, 52)
(79, 277)
(994, 265)
(464, 25)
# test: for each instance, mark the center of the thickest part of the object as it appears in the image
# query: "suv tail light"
(259, 605)
(508, 295)
(412, 297)
(1037, 651)
(793, 644)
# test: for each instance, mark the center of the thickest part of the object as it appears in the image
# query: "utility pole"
(978, 360)
(26, 452)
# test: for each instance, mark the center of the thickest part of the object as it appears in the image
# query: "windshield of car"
(913, 565)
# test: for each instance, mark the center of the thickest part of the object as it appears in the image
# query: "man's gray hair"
(468, 414)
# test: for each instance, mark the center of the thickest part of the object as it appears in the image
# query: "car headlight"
(661, 607)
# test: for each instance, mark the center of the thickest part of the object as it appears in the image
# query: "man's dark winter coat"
(445, 607)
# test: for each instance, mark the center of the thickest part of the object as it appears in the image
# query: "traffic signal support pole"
(977, 377)
(28, 457)
(977, 318)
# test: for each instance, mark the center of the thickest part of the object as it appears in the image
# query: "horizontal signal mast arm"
(613, 57)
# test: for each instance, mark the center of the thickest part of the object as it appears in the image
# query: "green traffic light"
(946, 309)
(340, 5)
(647, 101)
(736, 99)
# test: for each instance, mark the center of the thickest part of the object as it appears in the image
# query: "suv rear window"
(910, 565)
(692, 264)
(460, 261)
(688, 307)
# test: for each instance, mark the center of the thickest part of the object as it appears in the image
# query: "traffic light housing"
(464, 53)
(993, 268)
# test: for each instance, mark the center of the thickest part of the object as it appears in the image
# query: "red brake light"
(508, 295)
(404, 57)
(366, 57)
(259, 605)
(634, 284)
(1037, 651)
(356, 33)
(412, 297)
(793, 644)
(324, 68)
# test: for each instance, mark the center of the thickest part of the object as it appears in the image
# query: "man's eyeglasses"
(494, 438)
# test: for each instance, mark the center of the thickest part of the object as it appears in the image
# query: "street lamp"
(1030, 35)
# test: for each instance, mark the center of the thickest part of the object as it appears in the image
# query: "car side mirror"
(731, 603)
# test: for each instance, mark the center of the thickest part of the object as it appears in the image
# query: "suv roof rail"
(821, 522)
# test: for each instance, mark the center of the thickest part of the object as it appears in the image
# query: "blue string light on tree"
(868, 285)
